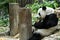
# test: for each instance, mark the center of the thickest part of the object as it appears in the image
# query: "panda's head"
(42, 12)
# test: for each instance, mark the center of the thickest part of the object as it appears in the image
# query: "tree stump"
(14, 18)
(25, 23)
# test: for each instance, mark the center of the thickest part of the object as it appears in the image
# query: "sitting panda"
(47, 25)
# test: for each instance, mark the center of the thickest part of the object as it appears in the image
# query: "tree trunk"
(22, 3)
(14, 18)
(25, 24)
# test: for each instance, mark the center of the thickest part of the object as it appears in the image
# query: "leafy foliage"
(52, 4)
(34, 7)
(4, 16)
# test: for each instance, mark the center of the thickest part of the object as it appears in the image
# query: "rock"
(55, 36)
(58, 8)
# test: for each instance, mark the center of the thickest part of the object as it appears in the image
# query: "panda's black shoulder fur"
(48, 22)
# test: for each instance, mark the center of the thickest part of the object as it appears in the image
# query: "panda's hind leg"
(36, 36)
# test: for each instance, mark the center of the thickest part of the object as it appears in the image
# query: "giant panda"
(46, 25)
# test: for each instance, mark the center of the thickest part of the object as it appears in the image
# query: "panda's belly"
(45, 32)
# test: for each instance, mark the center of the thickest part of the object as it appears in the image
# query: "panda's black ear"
(44, 8)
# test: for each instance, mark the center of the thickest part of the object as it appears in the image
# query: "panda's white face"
(42, 13)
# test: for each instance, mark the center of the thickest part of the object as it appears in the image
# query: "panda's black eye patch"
(39, 14)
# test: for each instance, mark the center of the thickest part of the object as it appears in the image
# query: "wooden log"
(25, 24)
(14, 18)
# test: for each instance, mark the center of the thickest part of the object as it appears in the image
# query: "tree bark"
(22, 3)
(25, 23)
(14, 18)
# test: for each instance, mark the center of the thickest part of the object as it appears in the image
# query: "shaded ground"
(4, 36)
(8, 38)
